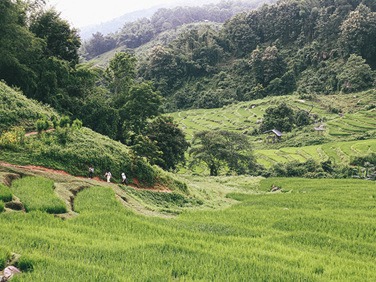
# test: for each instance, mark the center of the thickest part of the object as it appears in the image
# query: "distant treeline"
(139, 32)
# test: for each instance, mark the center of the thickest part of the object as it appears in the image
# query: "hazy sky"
(81, 13)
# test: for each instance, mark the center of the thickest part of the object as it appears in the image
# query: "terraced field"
(342, 131)
(350, 124)
(339, 152)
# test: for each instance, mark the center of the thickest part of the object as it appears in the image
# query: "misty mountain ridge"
(115, 24)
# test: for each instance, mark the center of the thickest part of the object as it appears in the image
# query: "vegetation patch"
(5, 193)
(163, 200)
(37, 193)
(4, 257)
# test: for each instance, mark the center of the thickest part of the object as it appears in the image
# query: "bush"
(64, 121)
(43, 124)
(25, 264)
(309, 169)
(13, 138)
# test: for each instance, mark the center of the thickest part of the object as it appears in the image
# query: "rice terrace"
(210, 141)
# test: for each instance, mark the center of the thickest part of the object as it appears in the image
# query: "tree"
(356, 75)
(280, 117)
(358, 34)
(170, 140)
(142, 103)
(222, 149)
(121, 73)
(20, 50)
(62, 41)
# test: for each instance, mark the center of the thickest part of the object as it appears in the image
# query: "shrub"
(77, 124)
(12, 138)
(42, 124)
(64, 121)
(1, 206)
(25, 264)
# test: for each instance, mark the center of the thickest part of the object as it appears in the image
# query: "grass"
(17, 110)
(4, 256)
(314, 230)
(38, 194)
(5, 193)
(338, 152)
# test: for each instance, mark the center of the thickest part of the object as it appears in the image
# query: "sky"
(81, 13)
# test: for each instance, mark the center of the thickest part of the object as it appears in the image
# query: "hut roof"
(277, 132)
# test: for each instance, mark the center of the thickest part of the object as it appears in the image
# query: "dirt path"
(67, 186)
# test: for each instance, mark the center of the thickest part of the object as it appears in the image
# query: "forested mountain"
(293, 46)
(136, 33)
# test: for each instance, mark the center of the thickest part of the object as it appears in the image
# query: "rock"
(9, 271)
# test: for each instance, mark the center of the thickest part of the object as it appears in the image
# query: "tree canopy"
(223, 150)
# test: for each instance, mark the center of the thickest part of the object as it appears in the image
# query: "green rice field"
(314, 230)
(338, 153)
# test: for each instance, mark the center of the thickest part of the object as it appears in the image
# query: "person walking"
(91, 171)
(123, 178)
(108, 175)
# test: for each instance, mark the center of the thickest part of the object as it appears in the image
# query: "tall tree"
(223, 150)
(120, 75)
(170, 140)
(142, 103)
(62, 41)
(358, 34)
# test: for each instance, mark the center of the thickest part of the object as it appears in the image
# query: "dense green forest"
(306, 47)
(136, 33)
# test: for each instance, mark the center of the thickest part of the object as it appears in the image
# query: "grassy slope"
(318, 230)
(16, 109)
(83, 147)
(342, 139)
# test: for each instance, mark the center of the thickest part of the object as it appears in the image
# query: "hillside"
(67, 148)
(18, 110)
(348, 120)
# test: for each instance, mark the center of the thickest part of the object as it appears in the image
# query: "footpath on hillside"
(67, 186)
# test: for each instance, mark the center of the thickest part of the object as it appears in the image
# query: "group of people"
(108, 175)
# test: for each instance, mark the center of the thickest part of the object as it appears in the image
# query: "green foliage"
(17, 110)
(62, 41)
(37, 193)
(170, 140)
(5, 193)
(1, 206)
(42, 124)
(280, 117)
(143, 146)
(142, 103)
(358, 32)
(12, 139)
(77, 124)
(221, 149)
(120, 73)
(64, 122)
(356, 75)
